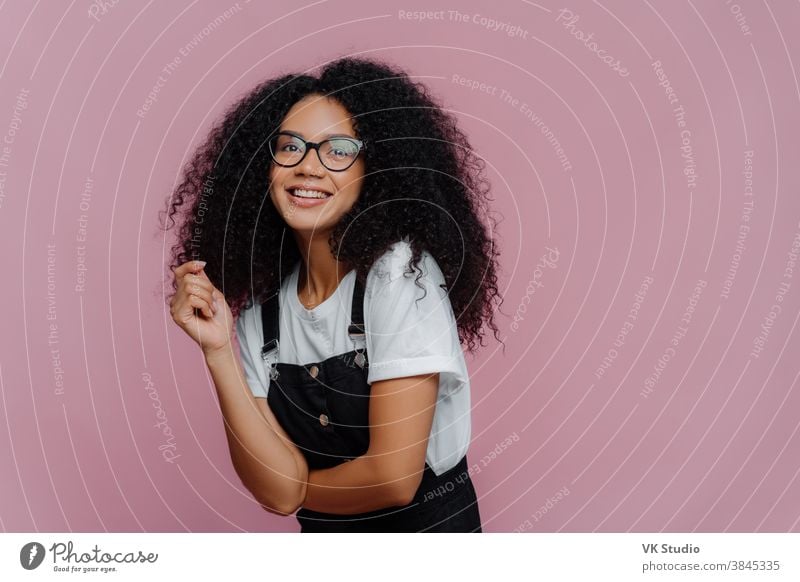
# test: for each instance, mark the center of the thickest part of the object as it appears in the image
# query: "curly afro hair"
(422, 181)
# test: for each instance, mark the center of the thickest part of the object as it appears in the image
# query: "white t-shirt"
(407, 335)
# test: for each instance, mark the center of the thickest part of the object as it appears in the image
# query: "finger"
(188, 267)
(202, 305)
(201, 274)
(215, 293)
(195, 279)
(196, 291)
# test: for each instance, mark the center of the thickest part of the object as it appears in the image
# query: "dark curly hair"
(422, 180)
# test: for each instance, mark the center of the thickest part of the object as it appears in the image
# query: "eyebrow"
(324, 137)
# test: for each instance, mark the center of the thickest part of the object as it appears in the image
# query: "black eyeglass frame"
(310, 145)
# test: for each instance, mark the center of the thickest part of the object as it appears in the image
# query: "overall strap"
(356, 327)
(269, 324)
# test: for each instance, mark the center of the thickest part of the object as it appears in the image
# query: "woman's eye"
(339, 152)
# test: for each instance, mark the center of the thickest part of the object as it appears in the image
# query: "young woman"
(341, 216)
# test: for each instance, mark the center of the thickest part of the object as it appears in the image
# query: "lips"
(311, 193)
(309, 202)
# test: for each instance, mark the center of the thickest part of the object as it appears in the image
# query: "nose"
(310, 164)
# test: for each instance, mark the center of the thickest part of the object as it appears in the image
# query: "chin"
(308, 226)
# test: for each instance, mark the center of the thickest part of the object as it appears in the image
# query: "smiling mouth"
(308, 194)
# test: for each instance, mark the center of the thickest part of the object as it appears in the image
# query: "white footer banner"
(767, 557)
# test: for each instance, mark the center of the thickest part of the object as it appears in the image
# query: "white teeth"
(309, 193)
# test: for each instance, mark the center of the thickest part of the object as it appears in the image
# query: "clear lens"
(338, 153)
(287, 149)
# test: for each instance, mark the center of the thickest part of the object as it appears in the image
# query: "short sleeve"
(411, 330)
(248, 334)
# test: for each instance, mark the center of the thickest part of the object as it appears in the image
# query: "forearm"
(390, 472)
(271, 467)
(355, 486)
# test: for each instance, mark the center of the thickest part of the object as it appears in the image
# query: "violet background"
(713, 448)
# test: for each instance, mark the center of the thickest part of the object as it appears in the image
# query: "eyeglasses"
(337, 153)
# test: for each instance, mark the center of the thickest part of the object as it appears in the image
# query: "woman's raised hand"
(200, 309)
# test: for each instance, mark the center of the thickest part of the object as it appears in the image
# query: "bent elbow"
(283, 511)
(282, 507)
(403, 488)
(280, 503)
(404, 496)
(397, 482)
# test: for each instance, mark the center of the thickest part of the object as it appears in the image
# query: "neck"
(320, 271)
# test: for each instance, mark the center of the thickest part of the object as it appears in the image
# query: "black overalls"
(324, 408)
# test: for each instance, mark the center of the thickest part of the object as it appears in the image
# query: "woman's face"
(314, 118)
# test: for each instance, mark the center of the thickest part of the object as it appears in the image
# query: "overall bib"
(324, 408)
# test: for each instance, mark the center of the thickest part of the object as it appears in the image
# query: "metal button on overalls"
(324, 408)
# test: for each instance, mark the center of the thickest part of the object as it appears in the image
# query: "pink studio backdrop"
(644, 159)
